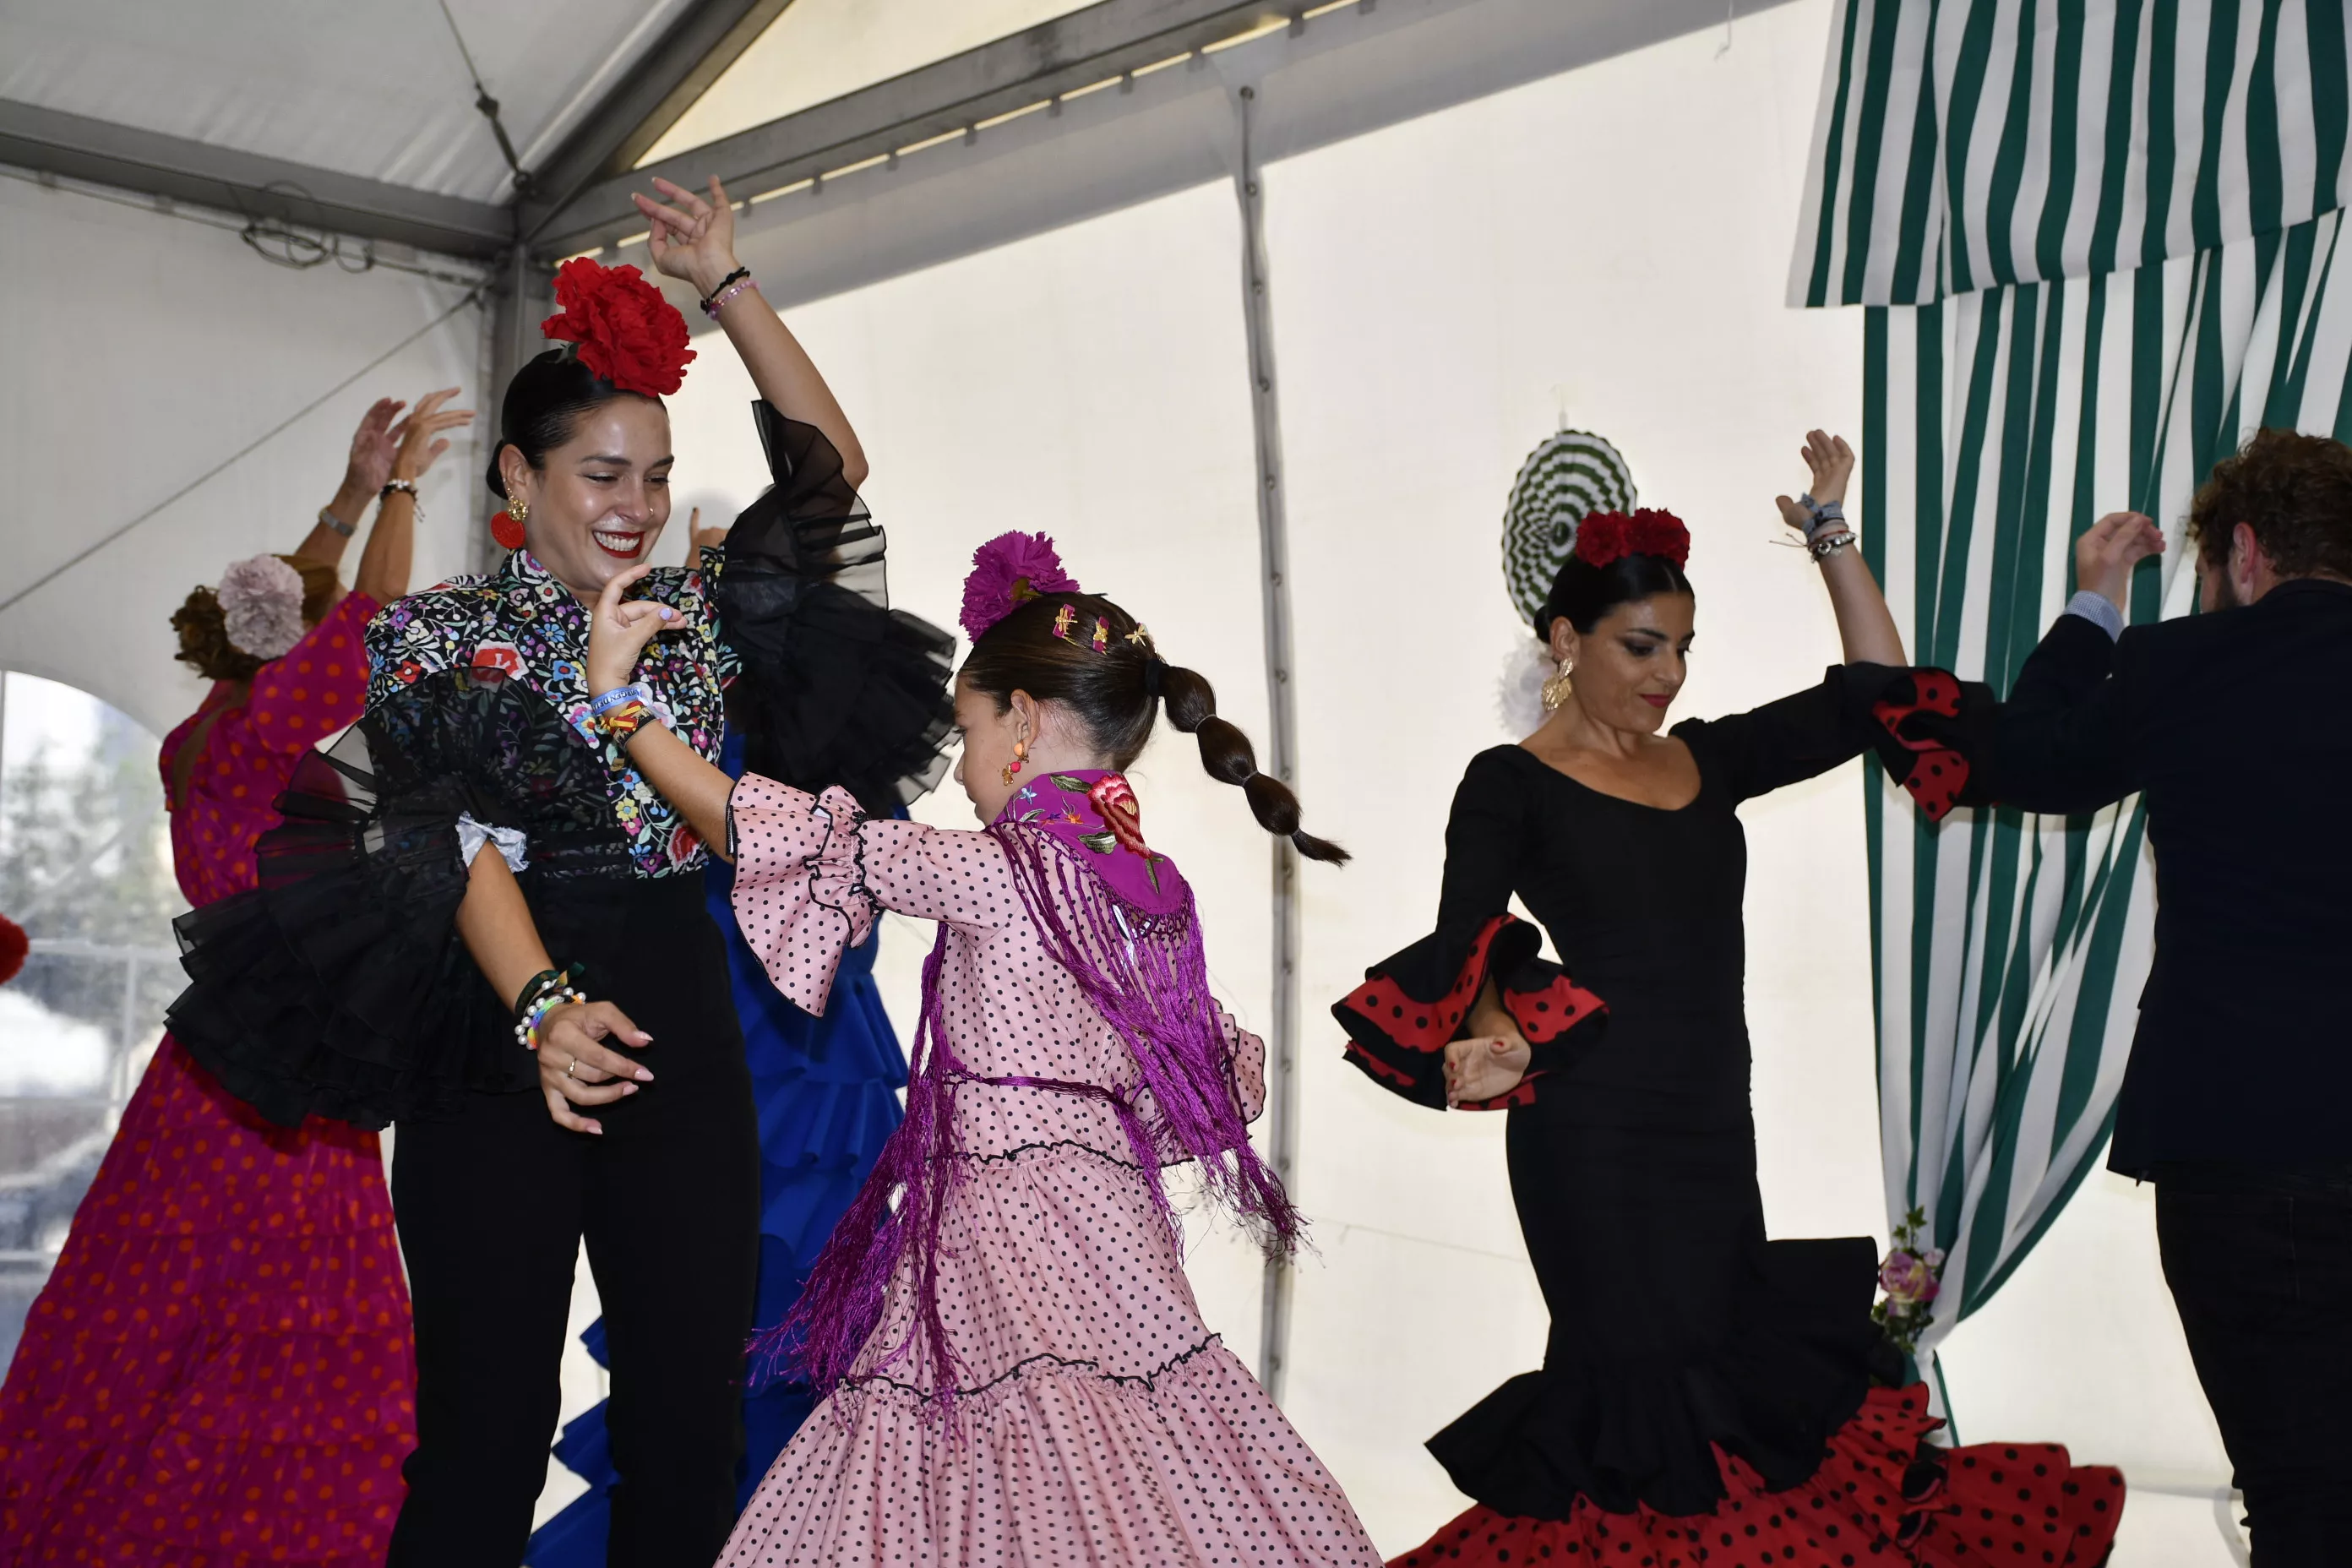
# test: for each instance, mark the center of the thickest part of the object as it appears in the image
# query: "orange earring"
(1012, 770)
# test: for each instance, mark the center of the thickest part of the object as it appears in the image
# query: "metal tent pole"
(1282, 723)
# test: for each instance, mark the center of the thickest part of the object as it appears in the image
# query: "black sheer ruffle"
(836, 687)
(339, 985)
(1799, 1357)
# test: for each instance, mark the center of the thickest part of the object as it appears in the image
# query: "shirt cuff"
(2099, 610)
(473, 834)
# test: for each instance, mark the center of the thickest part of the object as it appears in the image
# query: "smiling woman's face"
(598, 504)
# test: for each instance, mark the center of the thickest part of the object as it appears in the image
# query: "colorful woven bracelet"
(625, 721)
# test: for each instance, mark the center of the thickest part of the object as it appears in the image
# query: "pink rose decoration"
(1908, 1278)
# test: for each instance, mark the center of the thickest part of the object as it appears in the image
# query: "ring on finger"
(575, 1063)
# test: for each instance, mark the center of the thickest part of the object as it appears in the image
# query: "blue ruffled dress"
(827, 1091)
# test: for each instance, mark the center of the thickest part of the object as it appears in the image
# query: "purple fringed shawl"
(1122, 921)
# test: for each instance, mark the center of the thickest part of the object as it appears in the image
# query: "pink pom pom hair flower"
(261, 605)
(1008, 572)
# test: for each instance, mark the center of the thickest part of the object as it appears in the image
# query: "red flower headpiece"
(1605, 536)
(14, 946)
(626, 331)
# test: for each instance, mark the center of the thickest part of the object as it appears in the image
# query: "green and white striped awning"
(1961, 144)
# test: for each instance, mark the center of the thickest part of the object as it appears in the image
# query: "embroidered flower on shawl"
(1008, 572)
(261, 605)
(1114, 801)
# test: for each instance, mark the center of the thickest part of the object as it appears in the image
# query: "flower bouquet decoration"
(1910, 1280)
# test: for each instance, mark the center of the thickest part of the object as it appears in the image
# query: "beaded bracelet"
(548, 990)
(1829, 544)
(711, 301)
(717, 302)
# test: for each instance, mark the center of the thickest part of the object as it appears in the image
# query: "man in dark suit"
(2235, 728)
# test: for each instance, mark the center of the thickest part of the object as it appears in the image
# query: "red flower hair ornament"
(14, 946)
(1607, 536)
(626, 333)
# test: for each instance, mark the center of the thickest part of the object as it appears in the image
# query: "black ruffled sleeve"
(1932, 730)
(1414, 1004)
(836, 688)
(339, 985)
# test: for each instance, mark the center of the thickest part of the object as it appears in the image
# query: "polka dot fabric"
(1097, 1420)
(1882, 1497)
(219, 1371)
(250, 751)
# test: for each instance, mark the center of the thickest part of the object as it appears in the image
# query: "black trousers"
(493, 1209)
(2259, 1263)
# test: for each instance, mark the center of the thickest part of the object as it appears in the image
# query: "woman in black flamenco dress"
(1708, 1395)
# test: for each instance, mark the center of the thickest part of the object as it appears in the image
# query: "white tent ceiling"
(377, 91)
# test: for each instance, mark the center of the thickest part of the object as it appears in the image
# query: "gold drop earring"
(1556, 690)
(1012, 770)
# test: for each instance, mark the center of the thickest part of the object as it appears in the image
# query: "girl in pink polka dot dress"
(1019, 1372)
(218, 1370)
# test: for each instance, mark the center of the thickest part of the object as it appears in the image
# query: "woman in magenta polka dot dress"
(1019, 1372)
(218, 1369)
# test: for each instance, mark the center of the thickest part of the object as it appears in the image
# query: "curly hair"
(204, 628)
(2293, 490)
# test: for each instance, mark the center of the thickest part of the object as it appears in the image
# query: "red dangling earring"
(507, 526)
(1012, 770)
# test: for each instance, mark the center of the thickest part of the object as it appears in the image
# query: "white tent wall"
(140, 350)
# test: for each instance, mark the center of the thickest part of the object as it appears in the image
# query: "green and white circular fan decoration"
(1572, 476)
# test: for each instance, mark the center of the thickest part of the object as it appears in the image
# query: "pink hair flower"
(1008, 572)
(261, 604)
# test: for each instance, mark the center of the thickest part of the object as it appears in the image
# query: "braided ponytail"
(1117, 694)
(1226, 753)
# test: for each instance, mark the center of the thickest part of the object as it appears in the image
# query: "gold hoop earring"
(1556, 690)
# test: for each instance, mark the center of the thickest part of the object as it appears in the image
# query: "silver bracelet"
(1829, 544)
(327, 519)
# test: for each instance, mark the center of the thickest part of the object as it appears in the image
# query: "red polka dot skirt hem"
(219, 1371)
(1881, 1496)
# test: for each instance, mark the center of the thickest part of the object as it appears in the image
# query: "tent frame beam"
(650, 98)
(48, 141)
(1082, 49)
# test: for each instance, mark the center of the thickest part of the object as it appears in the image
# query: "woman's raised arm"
(1866, 626)
(693, 239)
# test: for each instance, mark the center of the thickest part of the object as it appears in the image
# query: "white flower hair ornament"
(261, 605)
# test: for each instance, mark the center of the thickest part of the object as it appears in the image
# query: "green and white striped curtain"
(2131, 280)
(1964, 144)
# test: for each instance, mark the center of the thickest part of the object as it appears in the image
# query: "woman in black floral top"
(387, 969)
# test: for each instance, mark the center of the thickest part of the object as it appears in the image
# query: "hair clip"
(1102, 634)
(1062, 620)
(1142, 636)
